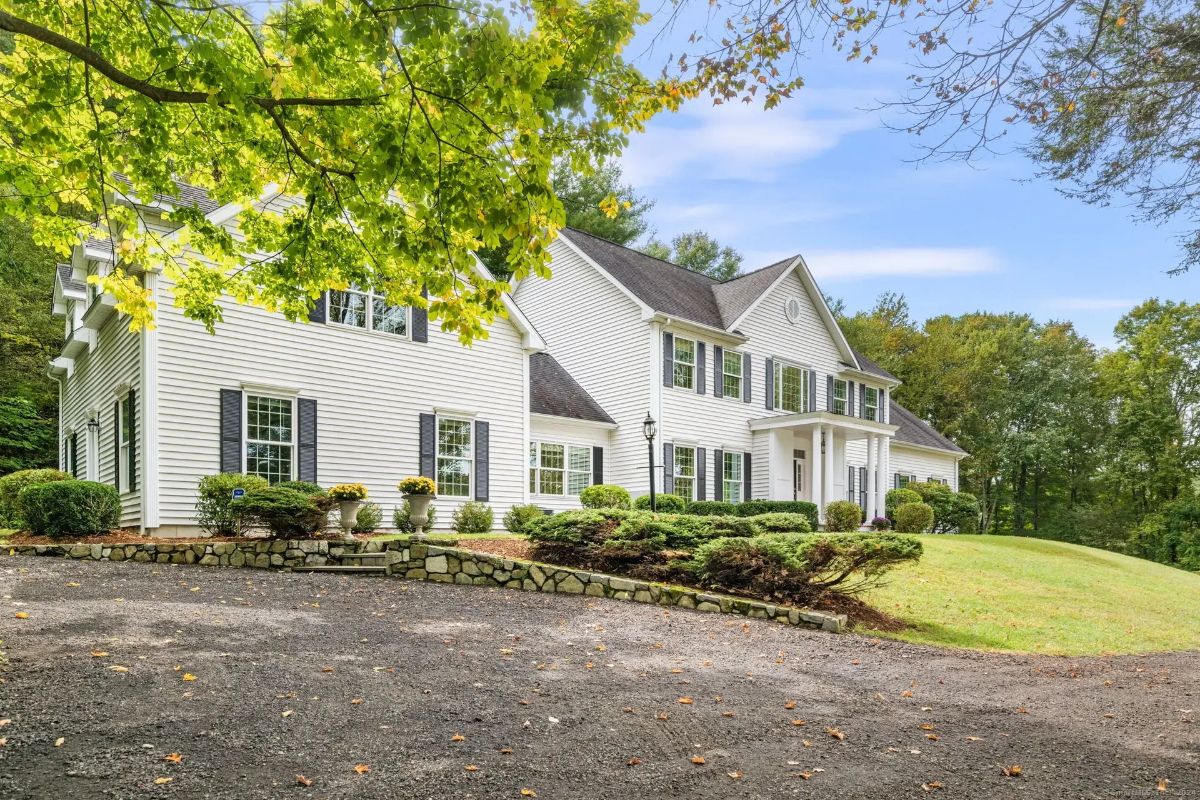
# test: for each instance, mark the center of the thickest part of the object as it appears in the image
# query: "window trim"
(777, 385)
(369, 314)
(675, 362)
(740, 374)
(469, 458)
(536, 478)
(867, 403)
(675, 476)
(123, 443)
(292, 443)
(845, 400)
(903, 479)
(740, 461)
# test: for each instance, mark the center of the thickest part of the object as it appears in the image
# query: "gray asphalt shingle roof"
(737, 294)
(185, 195)
(553, 391)
(914, 430)
(69, 283)
(869, 366)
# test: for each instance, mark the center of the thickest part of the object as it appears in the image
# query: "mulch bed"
(132, 537)
(505, 548)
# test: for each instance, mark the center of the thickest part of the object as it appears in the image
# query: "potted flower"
(349, 497)
(419, 492)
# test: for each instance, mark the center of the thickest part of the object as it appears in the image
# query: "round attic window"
(792, 309)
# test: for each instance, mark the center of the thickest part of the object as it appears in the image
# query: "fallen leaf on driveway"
(174, 758)
(356, 701)
(806, 742)
(4, 722)
(326, 669)
(806, 775)
(361, 768)
(118, 668)
(835, 733)
(98, 654)
(471, 768)
(662, 715)
(927, 726)
(506, 751)
(974, 738)
(906, 693)
(789, 705)
(161, 781)
(1162, 784)
(697, 760)
(933, 737)
(798, 722)
(458, 737)
(286, 714)
(303, 781)
(60, 741)
(22, 615)
(187, 676)
(1012, 771)
(730, 714)
(932, 786)
(1022, 710)
(633, 762)
(73, 585)
(736, 774)
(685, 701)
(528, 793)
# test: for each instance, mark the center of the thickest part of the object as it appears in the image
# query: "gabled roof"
(554, 392)
(911, 429)
(185, 195)
(867, 365)
(68, 283)
(737, 294)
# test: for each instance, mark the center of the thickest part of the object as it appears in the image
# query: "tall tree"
(586, 196)
(698, 251)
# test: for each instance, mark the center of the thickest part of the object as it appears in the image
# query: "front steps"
(383, 567)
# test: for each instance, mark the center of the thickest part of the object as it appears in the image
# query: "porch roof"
(841, 421)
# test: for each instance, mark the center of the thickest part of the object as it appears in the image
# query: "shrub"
(914, 518)
(664, 503)
(1170, 536)
(284, 512)
(348, 491)
(417, 485)
(519, 516)
(780, 522)
(401, 514)
(686, 532)
(754, 508)
(577, 528)
(896, 498)
(368, 519)
(70, 508)
(472, 517)
(303, 487)
(214, 502)
(11, 486)
(952, 511)
(881, 524)
(843, 516)
(712, 508)
(604, 495)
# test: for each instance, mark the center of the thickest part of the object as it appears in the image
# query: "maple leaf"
(798, 722)
(361, 769)
(697, 760)
(187, 676)
(303, 781)
(835, 733)
(906, 693)
(174, 758)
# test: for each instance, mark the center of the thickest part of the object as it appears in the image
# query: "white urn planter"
(348, 510)
(418, 512)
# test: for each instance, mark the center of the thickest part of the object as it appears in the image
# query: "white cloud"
(742, 142)
(927, 262)
(1092, 303)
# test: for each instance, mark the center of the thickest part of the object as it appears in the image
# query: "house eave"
(870, 376)
(958, 455)
(554, 418)
(668, 321)
(823, 418)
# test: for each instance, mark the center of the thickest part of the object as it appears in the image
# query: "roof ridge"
(644, 254)
(772, 265)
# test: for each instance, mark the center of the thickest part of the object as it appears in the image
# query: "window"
(559, 469)
(871, 404)
(685, 472)
(791, 388)
(942, 481)
(367, 310)
(903, 480)
(731, 477)
(269, 438)
(92, 290)
(124, 475)
(841, 397)
(684, 360)
(731, 374)
(73, 454)
(455, 455)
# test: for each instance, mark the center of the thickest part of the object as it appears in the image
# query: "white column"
(814, 466)
(872, 506)
(827, 483)
(880, 475)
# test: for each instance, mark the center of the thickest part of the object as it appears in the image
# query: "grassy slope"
(1037, 596)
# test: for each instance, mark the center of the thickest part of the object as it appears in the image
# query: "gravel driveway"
(257, 677)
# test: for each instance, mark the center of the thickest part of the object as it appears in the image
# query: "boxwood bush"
(664, 503)
(712, 508)
(914, 518)
(370, 515)
(214, 502)
(284, 513)
(10, 490)
(603, 495)
(519, 516)
(754, 508)
(780, 522)
(70, 508)
(896, 498)
(843, 516)
(472, 517)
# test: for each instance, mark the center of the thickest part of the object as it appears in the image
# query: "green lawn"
(1036, 596)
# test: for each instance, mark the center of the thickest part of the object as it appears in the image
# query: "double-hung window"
(455, 457)
(559, 469)
(684, 363)
(731, 476)
(731, 374)
(270, 438)
(871, 404)
(368, 310)
(841, 397)
(685, 472)
(903, 480)
(791, 388)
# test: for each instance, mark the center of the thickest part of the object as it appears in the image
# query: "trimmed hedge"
(843, 516)
(11, 486)
(712, 508)
(285, 513)
(603, 495)
(472, 517)
(780, 522)
(754, 508)
(519, 516)
(70, 508)
(896, 498)
(664, 503)
(214, 502)
(914, 518)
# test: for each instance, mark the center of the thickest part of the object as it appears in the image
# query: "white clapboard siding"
(564, 431)
(596, 333)
(922, 462)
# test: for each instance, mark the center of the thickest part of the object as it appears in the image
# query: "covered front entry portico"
(806, 459)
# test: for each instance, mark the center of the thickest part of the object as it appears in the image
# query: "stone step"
(362, 555)
(342, 568)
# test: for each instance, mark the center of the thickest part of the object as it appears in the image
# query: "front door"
(797, 479)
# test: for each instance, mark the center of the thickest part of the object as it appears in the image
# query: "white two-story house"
(748, 380)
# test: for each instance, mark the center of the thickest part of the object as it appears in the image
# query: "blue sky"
(823, 176)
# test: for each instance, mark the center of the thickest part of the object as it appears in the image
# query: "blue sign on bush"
(239, 493)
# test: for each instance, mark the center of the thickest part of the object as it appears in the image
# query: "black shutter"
(318, 312)
(718, 370)
(701, 474)
(668, 359)
(426, 444)
(850, 398)
(862, 400)
(895, 480)
(850, 484)
(718, 474)
(812, 390)
(746, 476)
(420, 323)
(74, 445)
(770, 373)
(745, 377)
(117, 445)
(701, 368)
(306, 436)
(862, 489)
(597, 465)
(883, 406)
(131, 417)
(481, 461)
(829, 393)
(231, 430)
(668, 467)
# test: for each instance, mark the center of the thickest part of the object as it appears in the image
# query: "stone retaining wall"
(423, 561)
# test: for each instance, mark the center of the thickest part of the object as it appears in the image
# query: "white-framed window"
(841, 396)
(270, 437)
(791, 388)
(559, 469)
(731, 374)
(125, 441)
(903, 480)
(455, 456)
(685, 472)
(684, 363)
(367, 310)
(871, 403)
(942, 481)
(731, 476)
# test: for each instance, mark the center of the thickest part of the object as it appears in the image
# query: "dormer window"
(684, 363)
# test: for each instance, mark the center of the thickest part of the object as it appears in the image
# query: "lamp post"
(648, 430)
(93, 425)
